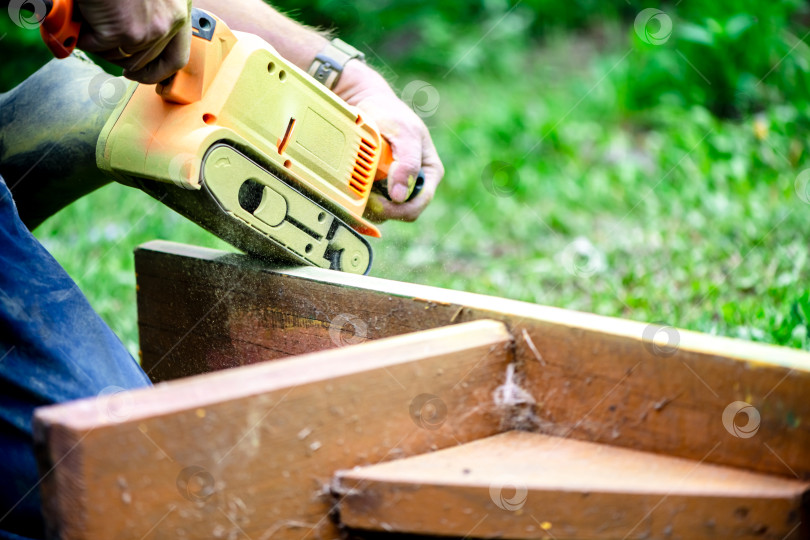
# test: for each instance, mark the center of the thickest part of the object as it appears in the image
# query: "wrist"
(357, 80)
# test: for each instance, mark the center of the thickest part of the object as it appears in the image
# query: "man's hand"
(413, 149)
(149, 39)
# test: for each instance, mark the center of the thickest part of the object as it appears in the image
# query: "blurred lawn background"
(599, 157)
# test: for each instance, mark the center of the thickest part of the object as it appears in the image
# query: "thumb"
(404, 169)
(172, 59)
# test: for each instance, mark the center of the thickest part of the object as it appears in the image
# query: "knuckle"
(145, 75)
(135, 36)
(410, 169)
(106, 34)
(161, 27)
(178, 19)
(411, 161)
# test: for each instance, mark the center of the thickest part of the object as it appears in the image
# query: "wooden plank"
(588, 377)
(250, 452)
(527, 485)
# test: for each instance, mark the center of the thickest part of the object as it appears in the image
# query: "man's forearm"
(295, 42)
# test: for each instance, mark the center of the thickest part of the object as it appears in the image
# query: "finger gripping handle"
(61, 27)
(211, 42)
(381, 177)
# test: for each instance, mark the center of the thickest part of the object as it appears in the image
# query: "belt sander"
(248, 146)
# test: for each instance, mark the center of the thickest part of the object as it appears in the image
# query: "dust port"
(209, 119)
(308, 249)
(282, 75)
(205, 24)
(288, 163)
(69, 42)
(250, 195)
(271, 67)
(321, 217)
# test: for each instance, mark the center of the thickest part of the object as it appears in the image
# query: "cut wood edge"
(528, 485)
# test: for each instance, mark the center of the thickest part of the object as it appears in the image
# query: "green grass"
(666, 215)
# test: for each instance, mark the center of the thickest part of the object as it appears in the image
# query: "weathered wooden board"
(528, 485)
(250, 452)
(588, 377)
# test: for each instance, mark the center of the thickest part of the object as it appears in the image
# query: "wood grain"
(250, 452)
(590, 377)
(526, 485)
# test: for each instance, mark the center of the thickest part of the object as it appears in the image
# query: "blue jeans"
(53, 348)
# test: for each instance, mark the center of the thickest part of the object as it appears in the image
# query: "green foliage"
(733, 56)
(438, 36)
(22, 53)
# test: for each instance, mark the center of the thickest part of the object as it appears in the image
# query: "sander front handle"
(61, 27)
